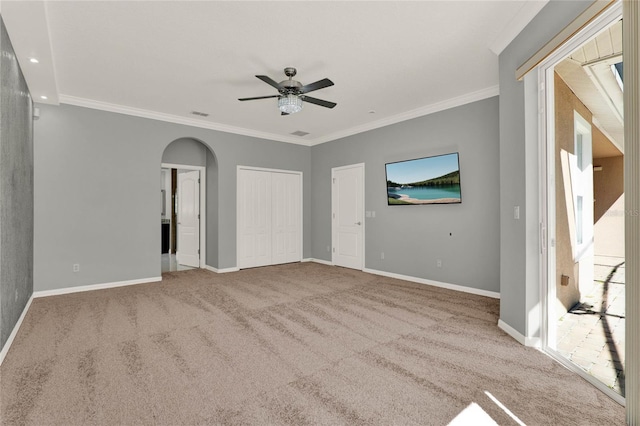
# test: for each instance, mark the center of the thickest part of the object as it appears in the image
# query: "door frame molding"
(265, 169)
(547, 179)
(203, 205)
(333, 226)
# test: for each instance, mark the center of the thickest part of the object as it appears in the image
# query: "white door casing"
(188, 219)
(347, 205)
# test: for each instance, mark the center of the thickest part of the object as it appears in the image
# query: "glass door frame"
(547, 201)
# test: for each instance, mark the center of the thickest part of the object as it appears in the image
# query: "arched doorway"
(189, 188)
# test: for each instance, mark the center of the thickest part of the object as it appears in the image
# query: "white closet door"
(269, 217)
(254, 218)
(286, 218)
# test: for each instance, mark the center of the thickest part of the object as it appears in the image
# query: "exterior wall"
(566, 103)
(608, 188)
(16, 190)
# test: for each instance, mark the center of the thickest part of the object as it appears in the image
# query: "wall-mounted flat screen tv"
(429, 180)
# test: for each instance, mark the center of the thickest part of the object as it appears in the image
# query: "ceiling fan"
(292, 93)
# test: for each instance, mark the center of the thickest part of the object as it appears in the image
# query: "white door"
(347, 203)
(188, 250)
(254, 218)
(286, 218)
(582, 186)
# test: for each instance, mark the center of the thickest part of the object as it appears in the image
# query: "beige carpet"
(295, 344)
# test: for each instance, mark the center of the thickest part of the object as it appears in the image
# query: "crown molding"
(526, 13)
(408, 115)
(170, 118)
(479, 95)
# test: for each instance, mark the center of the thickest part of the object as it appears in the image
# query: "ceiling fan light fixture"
(290, 104)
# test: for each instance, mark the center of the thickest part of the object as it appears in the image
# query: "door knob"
(358, 223)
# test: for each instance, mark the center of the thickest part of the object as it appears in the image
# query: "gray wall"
(96, 193)
(517, 239)
(195, 153)
(16, 190)
(186, 151)
(413, 237)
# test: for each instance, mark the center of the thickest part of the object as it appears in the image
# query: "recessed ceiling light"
(34, 60)
(43, 97)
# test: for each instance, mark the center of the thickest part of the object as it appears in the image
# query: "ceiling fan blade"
(320, 84)
(320, 102)
(258, 97)
(268, 80)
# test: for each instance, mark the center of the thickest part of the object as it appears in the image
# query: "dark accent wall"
(16, 190)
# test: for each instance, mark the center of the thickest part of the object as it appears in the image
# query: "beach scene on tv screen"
(431, 180)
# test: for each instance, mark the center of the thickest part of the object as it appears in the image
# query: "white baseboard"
(323, 262)
(220, 271)
(14, 332)
(67, 290)
(533, 342)
(479, 292)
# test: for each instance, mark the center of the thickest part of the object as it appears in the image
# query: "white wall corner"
(220, 271)
(533, 342)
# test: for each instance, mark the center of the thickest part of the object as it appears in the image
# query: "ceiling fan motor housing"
(290, 86)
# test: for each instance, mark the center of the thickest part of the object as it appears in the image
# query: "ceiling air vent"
(200, 114)
(300, 133)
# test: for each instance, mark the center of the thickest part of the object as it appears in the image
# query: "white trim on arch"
(203, 205)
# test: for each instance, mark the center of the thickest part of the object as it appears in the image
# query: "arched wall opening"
(192, 154)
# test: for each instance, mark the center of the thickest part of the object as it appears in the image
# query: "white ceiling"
(166, 59)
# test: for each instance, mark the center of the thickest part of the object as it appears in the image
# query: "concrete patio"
(591, 334)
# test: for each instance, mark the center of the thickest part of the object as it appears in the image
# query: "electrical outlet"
(439, 263)
(328, 249)
(76, 267)
(382, 255)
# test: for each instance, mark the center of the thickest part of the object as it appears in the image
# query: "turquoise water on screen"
(427, 192)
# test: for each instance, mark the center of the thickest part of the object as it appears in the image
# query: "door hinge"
(198, 180)
(334, 249)
(334, 180)
(198, 252)
(334, 215)
(198, 217)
